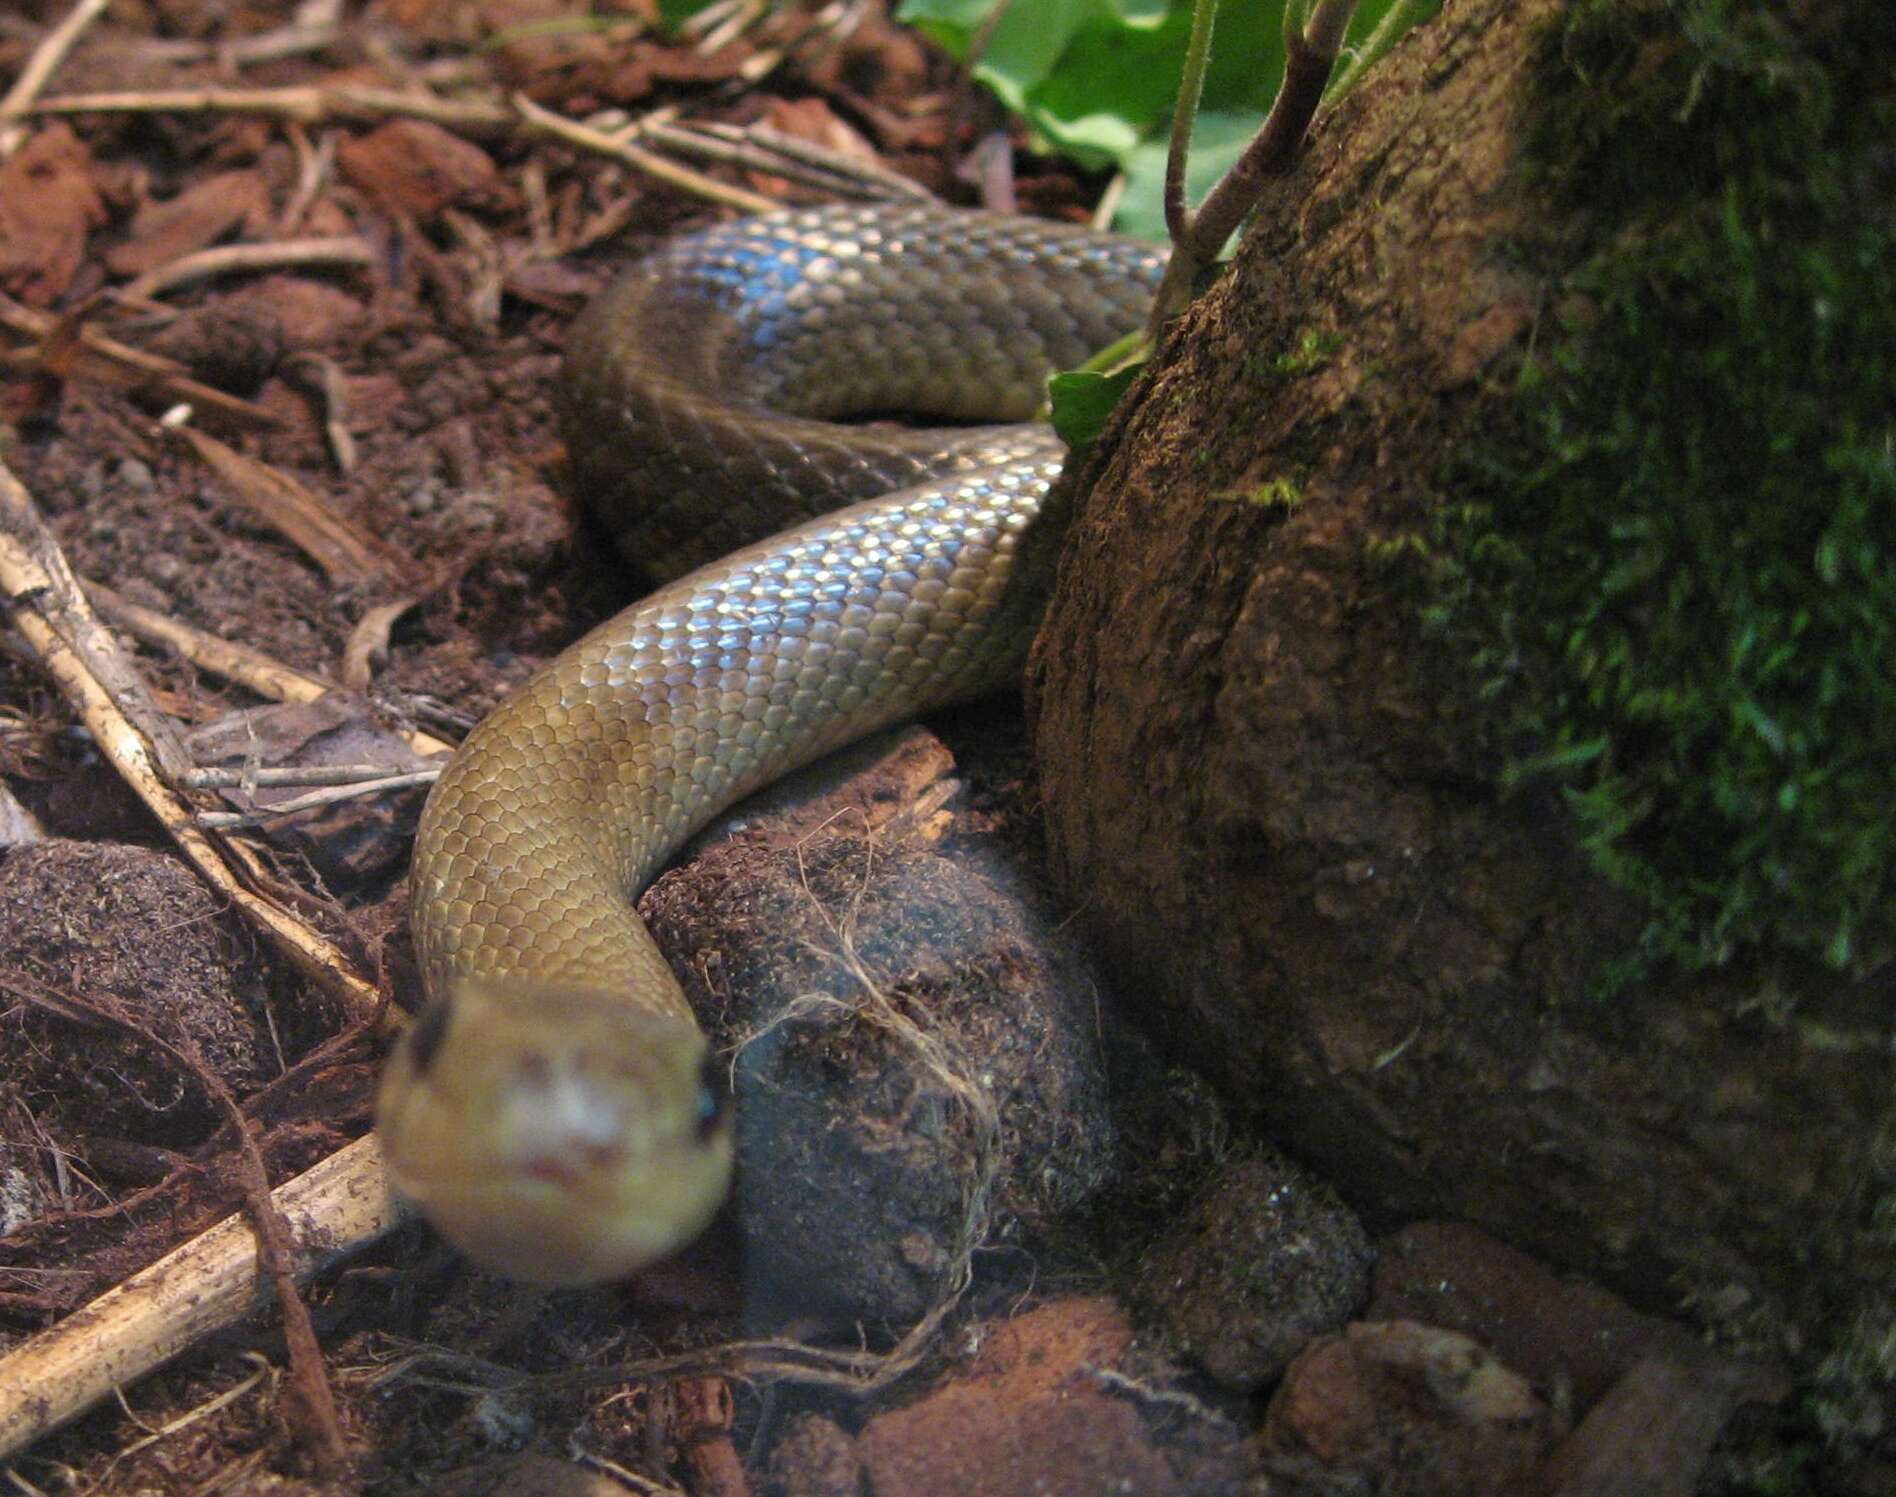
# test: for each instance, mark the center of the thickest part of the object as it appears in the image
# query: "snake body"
(554, 1109)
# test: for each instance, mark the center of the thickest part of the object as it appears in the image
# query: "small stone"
(1560, 1332)
(1654, 1431)
(502, 1420)
(21, 1200)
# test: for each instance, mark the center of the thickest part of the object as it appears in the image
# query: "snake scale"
(554, 1109)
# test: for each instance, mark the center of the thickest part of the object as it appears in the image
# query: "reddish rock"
(1651, 1435)
(1024, 1416)
(1416, 1410)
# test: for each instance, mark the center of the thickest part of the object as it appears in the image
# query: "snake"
(554, 1109)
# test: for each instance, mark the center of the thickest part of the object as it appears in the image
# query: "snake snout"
(561, 1121)
(560, 1137)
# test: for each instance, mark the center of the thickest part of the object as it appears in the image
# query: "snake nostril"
(534, 1069)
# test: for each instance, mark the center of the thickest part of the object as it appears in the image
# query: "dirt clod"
(916, 1048)
(90, 919)
(1265, 1259)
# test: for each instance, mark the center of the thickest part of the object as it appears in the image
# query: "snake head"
(562, 1137)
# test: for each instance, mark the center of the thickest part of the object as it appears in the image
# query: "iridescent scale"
(724, 351)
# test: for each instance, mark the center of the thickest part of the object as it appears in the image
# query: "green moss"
(1850, 1397)
(1674, 569)
(1283, 494)
(1313, 351)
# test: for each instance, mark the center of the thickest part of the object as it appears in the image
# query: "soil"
(409, 393)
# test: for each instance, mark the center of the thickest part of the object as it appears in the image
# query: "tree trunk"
(1262, 794)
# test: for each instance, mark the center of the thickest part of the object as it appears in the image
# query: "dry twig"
(759, 148)
(314, 1412)
(256, 777)
(40, 68)
(383, 783)
(61, 343)
(250, 668)
(306, 105)
(235, 259)
(348, 554)
(294, 40)
(205, 1286)
(558, 127)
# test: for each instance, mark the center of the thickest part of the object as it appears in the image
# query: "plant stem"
(1395, 24)
(1313, 34)
(1306, 71)
(1191, 87)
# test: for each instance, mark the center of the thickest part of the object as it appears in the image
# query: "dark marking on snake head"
(426, 1034)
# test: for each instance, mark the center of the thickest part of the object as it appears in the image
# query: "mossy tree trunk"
(1276, 799)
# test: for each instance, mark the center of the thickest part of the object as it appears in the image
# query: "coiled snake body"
(554, 1109)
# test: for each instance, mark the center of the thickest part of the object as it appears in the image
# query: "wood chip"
(417, 168)
(197, 217)
(48, 204)
(348, 555)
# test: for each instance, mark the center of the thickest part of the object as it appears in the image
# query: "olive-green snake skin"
(554, 1109)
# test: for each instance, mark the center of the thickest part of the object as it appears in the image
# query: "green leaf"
(1150, 13)
(1022, 52)
(674, 13)
(1097, 79)
(1082, 400)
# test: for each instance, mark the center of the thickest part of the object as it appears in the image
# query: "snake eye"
(426, 1034)
(714, 1097)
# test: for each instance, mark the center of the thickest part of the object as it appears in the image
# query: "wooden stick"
(559, 127)
(132, 365)
(40, 68)
(248, 667)
(207, 1285)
